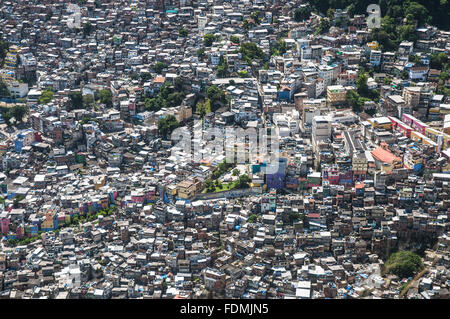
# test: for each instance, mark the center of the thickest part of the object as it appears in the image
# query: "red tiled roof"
(359, 185)
(384, 156)
(159, 79)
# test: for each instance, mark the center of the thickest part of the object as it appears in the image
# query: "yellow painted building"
(99, 181)
(186, 189)
(336, 94)
(419, 137)
(374, 45)
(380, 122)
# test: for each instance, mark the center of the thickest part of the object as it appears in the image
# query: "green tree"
(166, 125)
(251, 51)
(200, 53)
(302, 13)
(4, 92)
(18, 112)
(208, 185)
(222, 68)
(243, 181)
(235, 39)
(352, 100)
(253, 218)
(46, 97)
(294, 216)
(235, 172)
(87, 28)
(4, 47)
(330, 13)
(175, 99)
(279, 48)
(203, 107)
(12, 242)
(76, 100)
(323, 27)
(216, 96)
(182, 32)
(418, 11)
(88, 101)
(404, 264)
(404, 74)
(155, 103)
(243, 74)
(384, 39)
(208, 39)
(105, 97)
(407, 32)
(146, 76)
(361, 84)
(245, 25)
(255, 17)
(159, 66)
(438, 60)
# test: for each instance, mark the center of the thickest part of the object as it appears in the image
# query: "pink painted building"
(4, 225)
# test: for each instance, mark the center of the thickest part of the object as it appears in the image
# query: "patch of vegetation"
(14, 114)
(159, 67)
(435, 12)
(76, 100)
(356, 101)
(203, 107)
(404, 264)
(105, 97)
(46, 97)
(250, 51)
(4, 47)
(253, 218)
(243, 74)
(222, 68)
(208, 39)
(4, 92)
(169, 96)
(200, 53)
(243, 182)
(234, 39)
(182, 32)
(295, 216)
(279, 48)
(302, 13)
(323, 27)
(256, 18)
(87, 28)
(166, 125)
(217, 97)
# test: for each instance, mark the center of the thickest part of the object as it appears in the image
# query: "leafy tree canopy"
(302, 13)
(208, 39)
(166, 125)
(404, 264)
(46, 97)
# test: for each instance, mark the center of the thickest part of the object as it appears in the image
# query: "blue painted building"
(277, 180)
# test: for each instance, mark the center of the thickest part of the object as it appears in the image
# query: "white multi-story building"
(18, 90)
(321, 128)
(418, 73)
(326, 73)
(320, 87)
(201, 22)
